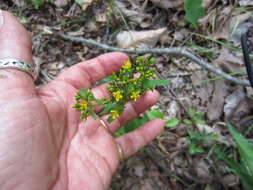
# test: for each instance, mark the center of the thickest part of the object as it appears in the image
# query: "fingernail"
(1, 18)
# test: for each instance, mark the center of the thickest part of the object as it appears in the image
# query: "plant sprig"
(128, 84)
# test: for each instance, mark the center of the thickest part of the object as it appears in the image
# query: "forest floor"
(183, 156)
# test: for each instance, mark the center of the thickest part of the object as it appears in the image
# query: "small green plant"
(197, 140)
(129, 83)
(196, 117)
(36, 3)
(193, 11)
(243, 169)
(151, 114)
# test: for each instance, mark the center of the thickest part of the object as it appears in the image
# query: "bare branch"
(169, 51)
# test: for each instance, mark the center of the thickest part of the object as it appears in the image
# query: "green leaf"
(83, 92)
(245, 149)
(152, 60)
(104, 80)
(152, 114)
(153, 83)
(37, 3)
(194, 11)
(193, 149)
(79, 2)
(172, 122)
(132, 125)
(109, 107)
(199, 121)
(187, 122)
(238, 170)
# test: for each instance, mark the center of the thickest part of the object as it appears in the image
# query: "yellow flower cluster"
(114, 114)
(84, 105)
(135, 95)
(127, 65)
(117, 95)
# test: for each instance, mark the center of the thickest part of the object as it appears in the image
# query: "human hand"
(44, 145)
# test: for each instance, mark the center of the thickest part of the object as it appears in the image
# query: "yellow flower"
(127, 64)
(117, 95)
(84, 105)
(114, 114)
(135, 95)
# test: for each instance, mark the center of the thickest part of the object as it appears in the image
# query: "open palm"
(44, 145)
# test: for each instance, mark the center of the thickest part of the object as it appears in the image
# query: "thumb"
(15, 42)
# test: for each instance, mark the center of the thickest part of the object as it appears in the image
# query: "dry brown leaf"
(19, 3)
(139, 39)
(133, 12)
(232, 101)
(215, 107)
(229, 62)
(243, 112)
(227, 57)
(165, 4)
(230, 180)
(173, 110)
(245, 3)
(222, 23)
(238, 25)
(84, 3)
(79, 32)
(61, 3)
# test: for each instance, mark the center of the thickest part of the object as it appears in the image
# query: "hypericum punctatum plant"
(129, 83)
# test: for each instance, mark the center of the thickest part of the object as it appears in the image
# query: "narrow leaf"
(152, 114)
(153, 83)
(172, 122)
(110, 107)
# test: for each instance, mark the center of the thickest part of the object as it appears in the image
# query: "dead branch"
(178, 51)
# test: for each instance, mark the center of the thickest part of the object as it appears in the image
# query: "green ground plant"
(196, 117)
(243, 168)
(36, 3)
(151, 114)
(193, 11)
(197, 140)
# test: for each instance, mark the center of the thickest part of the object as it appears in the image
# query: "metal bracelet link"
(8, 63)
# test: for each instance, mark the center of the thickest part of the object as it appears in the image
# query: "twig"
(178, 51)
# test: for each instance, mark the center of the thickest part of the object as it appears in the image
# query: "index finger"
(83, 74)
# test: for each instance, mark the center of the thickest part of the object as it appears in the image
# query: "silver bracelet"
(7, 63)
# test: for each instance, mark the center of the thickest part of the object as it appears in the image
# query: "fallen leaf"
(133, 12)
(61, 3)
(242, 112)
(215, 107)
(139, 39)
(79, 32)
(84, 3)
(173, 110)
(19, 3)
(230, 180)
(165, 4)
(228, 57)
(229, 62)
(232, 101)
(238, 25)
(222, 26)
(244, 3)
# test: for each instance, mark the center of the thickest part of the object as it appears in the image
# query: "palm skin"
(44, 145)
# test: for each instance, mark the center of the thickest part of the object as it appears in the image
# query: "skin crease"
(43, 143)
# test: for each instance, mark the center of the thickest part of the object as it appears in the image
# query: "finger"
(132, 110)
(88, 72)
(15, 42)
(134, 141)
